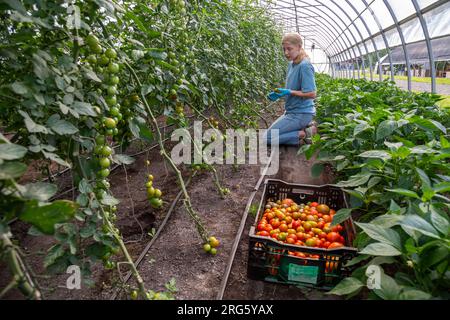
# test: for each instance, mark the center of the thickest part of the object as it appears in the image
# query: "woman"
(300, 92)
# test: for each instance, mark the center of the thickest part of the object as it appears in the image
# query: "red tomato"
(313, 204)
(290, 240)
(292, 236)
(288, 201)
(296, 224)
(270, 215)
(283, 227)
(326, 218)
(263, 234)
(322, 235)
(300, 235)
(326, 244)
(261, 226)
(268, 227)
(288, 219)
(320, 224)
(275, 222)
(335, 245)
(275, 236)
(332, 212)
(341, 239)
(333, 237)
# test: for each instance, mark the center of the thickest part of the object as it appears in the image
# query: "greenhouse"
(225, 150)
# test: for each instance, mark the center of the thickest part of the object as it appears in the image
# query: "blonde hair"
(296, 40)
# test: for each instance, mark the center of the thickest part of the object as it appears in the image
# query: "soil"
(177, 252)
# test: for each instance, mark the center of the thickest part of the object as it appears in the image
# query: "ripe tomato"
(335, 245)
(291, 231)
(287, 201)
(323, 208)
(307, 226)
(333, 237)
(261, 227)
(263, 234)
(290, 240)
(295, 224)
(288, 220)
(283, 227)
(320, 224)
(292, 236)
(313, 204)
(322, 235)
(332, 212)
(270, 215)
(268, 228)
(311, 242)
(326, 244)
(275, 222)
(326, 218)
(296, 215)
(300, 235)
(300, 229)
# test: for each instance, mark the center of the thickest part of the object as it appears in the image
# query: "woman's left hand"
(279, 93)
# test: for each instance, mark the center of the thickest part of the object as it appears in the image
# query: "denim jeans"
(289, 126)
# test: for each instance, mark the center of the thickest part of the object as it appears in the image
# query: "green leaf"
(63, 127)
(389, 290)
(423, 177)
(377, 154)
(91, 75)
(355, 181)
(404, 192)
(387, 220)
(380, 249)
(10, 151)
(433, 255)
(32, 127)
(356, 260)
(341, 216)
(445, 144)
(12, 170)
(384, 235)
(40, 191)
(84, 186)
(53, 254)
(385, 129)
(416, 223)
(414, 294)
(361, 127)
(440, 223)
(442, 187)
(84, 108)
(109, 200)
(45, 217)
(122, 159)
(347, 286)
(54, 157)
(19, 88)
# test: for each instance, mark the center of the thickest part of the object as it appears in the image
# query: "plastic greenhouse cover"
(347, 28)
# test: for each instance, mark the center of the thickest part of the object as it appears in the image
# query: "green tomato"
(111, 53)
(158, 193)
(114, 80)
(113, 67)
(109, 123)
(104, 162)
(111, 100)
(104, 173)
(207, 247)
(96, 48)
(98, 149)
(91, 40)
(106, 151)
(119, 116)
(150, 191)
(103, 60)
(156, 203)
(213, 251)
(134, 294)
(114, 111)
(112, 90)
(115, 131)
(100, 140)
(109, 132)
(149, 184)
(92, 59)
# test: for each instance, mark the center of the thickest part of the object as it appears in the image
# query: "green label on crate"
(307, 274)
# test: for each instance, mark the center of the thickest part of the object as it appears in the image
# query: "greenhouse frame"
(354, 35)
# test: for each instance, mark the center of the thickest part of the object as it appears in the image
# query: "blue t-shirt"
(300, 77)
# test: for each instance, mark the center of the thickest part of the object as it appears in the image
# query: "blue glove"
(274, 96)
(284, 92)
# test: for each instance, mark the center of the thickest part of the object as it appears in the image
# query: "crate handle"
(303, 191)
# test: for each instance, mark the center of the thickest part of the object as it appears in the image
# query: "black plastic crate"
(273, 261)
